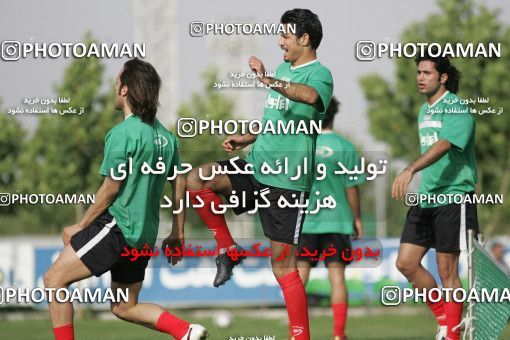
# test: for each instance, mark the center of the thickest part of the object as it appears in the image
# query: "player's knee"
(446, 274)
(120, 310)
(52, 279)
(193, 181)
(336, 280)
(48, 279)
(406, 267)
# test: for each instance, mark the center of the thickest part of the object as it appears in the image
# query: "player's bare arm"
(104, 197)
(176, 237)
(294, 91)
(435, 152)
(238, 142)
(352, 194)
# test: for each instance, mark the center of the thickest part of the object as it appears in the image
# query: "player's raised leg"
(67, 269)
(153, 316)
(208, 191)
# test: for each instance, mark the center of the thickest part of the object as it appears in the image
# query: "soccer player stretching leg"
(126, 211)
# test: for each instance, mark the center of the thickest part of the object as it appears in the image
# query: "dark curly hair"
(442, 65)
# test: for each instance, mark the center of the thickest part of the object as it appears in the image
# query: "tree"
(212, 105)
(393, 108)
(65, 153)
(11, 144)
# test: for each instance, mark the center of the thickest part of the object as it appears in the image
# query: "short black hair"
(305, 21)
(329, 117)
(143, 84)
(443, 65)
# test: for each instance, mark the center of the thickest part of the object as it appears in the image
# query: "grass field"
(418, 326)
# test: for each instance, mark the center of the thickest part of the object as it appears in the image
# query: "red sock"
(339, 317)
(437, 308)
(453, 312)
(170, 324)
(297, 308)
(216, 223)
(64, 332)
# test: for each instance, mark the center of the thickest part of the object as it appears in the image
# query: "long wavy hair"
(143, 84)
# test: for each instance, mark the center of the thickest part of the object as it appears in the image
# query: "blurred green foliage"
(393, 107)
(64, 153)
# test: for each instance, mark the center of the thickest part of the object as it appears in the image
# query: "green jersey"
(139, 146)
(295, 149)
(455, 172)
(331, 149)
